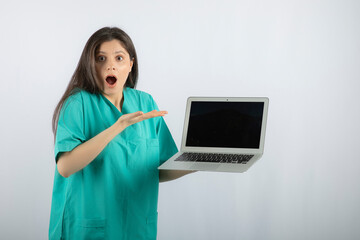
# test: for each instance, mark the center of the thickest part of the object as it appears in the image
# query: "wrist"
(119, 126)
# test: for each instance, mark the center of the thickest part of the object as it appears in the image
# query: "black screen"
(225, 124)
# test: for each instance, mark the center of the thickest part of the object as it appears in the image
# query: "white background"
(302, 54)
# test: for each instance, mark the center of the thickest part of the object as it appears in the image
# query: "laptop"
(221, 134)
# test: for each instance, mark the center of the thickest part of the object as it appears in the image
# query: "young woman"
(109, 141)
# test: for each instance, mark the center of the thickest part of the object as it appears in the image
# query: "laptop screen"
(225, 124)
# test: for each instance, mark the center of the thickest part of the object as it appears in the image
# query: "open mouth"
(111, 80)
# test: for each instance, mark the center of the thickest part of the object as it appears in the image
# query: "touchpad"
(205, 167)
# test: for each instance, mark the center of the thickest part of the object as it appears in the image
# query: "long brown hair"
(85, 78)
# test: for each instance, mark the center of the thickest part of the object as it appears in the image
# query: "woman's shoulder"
(75, 97)
(78, 98)
(79, 95)
(139, 94)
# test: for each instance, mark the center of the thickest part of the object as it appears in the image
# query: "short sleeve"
(167, 144)
(70, 128)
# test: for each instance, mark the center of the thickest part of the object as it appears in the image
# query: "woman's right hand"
(129, 119)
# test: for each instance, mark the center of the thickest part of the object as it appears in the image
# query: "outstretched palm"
(132, 118)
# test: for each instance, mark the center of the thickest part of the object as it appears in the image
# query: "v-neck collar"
(123, 109)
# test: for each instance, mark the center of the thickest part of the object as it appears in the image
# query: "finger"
(155, 113)
(148, 115)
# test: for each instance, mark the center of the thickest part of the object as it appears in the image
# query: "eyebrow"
(102, 52)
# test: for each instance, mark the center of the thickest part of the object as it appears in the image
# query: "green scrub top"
(115, 196)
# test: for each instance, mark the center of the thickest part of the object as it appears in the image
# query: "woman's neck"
(116, 99)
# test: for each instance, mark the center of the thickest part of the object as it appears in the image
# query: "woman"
(109, 141)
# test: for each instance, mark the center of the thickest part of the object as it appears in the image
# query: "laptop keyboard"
(214, 158)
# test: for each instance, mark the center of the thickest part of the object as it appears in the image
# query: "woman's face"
(113, 65)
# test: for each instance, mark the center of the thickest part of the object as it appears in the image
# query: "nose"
(111, 67)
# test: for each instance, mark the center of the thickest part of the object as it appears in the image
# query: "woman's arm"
(168, 175)
(75, 160)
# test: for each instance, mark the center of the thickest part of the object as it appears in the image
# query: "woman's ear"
(131, 64)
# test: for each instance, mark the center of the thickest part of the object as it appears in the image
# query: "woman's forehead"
(111, 47)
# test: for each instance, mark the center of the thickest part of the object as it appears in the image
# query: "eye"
(100, 59)
(119, 58)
